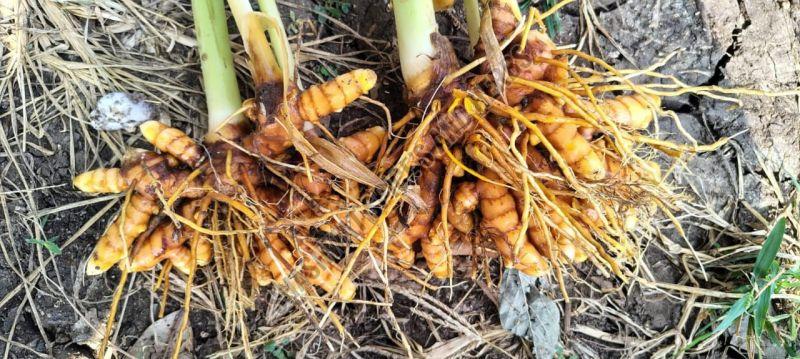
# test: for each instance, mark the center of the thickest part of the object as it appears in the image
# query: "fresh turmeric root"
(181, 256)
(632, 111)
(501, 223)
(172, 141)
(157, 175)
(435, 252)
(464, 201)
(420, 225)
(271, 137)
(101, 180)
(165, 238)
(570, 144)
(275, 256)
(323, 272)
(115, 243)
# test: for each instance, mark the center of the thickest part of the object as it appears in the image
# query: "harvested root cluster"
(518, 154)
(188, 203)
(542, 162)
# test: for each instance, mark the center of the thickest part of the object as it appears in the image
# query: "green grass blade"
(553, 22)
(761, 309)
(48, 244)
(735, 312)
(769, 249)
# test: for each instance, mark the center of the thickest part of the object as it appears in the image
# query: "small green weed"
(333, 8)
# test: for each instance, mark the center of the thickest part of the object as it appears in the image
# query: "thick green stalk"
(216, 61)
(472, 10)
(278, 39)
(415, 21)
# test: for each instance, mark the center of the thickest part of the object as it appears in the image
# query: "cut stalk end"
(263, 65)
(416, 21)
(278, 39)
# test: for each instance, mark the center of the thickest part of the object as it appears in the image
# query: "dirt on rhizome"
(60, 57)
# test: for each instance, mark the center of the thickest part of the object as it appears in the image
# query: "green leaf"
(772, 334)
(769, 249)
(794, 182)
(48, 244)
(761, 308)
(734, 312)
(552, 22)
(524, 5)
(275, 350)
(778, 318)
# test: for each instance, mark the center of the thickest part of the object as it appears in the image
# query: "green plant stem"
(278, 39)
(415, 21)
(472, 10)
(216, 61)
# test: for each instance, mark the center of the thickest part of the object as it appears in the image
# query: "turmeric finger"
(153, 174)
(323, 272)
(101, 180)
(114, 244)
(430, 184)
(501, 222)
(435, 252)
(632, 111)
(173, 141)
(364, 144)
(274, 256)
(260, 274)
(271, 137)
(523, 65)
(181, 256)
(572, 146)
(154, 248)
(324, 99)
(464, 201)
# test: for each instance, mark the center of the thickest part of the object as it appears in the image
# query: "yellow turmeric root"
(159, 244)
(324, 99)
(271, 138)
(115, 243)
(420, 225)
(523, 63)
(463, 202)
(276, 257)
(155, 174)
(101, 180)
(364, 144)
(632, 111)
(260, 274)
(172, 141)
(435, 252)
(571, 145)
(181, 256)
(323, 272)
(501, 223)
